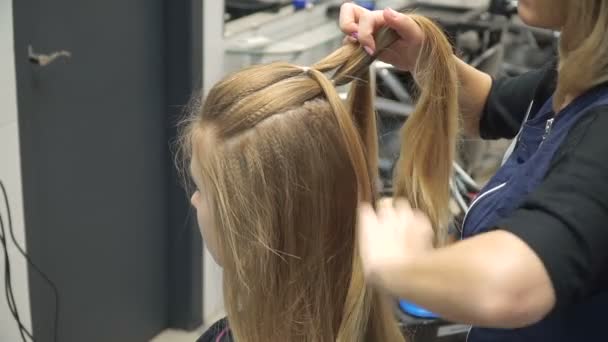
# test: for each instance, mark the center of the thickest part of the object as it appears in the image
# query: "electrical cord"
(8, 287)
(10, 298)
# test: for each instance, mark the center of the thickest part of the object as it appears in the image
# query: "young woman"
(280, 163)
(533, 266)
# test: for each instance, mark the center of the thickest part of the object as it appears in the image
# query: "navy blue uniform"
(552, 192)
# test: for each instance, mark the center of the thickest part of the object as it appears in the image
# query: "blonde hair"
(428, 140)
(583, 48)
(286, 163)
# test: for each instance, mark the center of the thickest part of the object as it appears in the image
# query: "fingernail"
(369, 50)
(351, 39)
(355, 35)
(392, 12)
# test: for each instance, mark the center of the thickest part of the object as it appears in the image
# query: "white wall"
(213, 56)
(10, 175)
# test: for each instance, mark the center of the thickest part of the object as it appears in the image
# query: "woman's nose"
(195, 198)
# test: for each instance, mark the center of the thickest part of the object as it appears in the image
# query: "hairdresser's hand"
(360, 24)
(390, 238)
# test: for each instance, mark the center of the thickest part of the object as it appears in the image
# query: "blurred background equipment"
(236, 9)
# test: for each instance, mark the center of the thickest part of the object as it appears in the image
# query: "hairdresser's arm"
(550, 252)
(474, 89)
(493, 280)
(494, 109)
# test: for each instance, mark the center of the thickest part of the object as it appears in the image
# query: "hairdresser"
(533, 262)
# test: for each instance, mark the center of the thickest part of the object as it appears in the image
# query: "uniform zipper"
(492, 190)
(548, 127)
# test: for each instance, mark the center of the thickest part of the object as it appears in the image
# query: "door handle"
(44, 60)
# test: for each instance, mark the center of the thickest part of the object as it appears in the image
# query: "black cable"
(22, 328)
(8, 286)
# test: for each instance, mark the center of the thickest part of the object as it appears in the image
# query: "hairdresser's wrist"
(393, 277)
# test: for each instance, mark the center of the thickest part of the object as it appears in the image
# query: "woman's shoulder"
(218, 332)
(589, 131)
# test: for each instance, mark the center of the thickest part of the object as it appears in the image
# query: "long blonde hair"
(583, 48)
(428, 140)
(286, 163)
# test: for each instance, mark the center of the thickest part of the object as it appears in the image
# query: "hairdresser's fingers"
(369, 23)
(366, 218)
(404, 25)
(385, 211)
(367, 224)
(422, 234)
(381, 246)
(398, 56)
(349, 17)
(422, 223)
(404, 212)
(349, 40)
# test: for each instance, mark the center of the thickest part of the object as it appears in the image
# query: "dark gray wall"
(183, 34)
(104, 217)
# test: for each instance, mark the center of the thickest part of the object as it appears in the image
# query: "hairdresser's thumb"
(405, 27)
